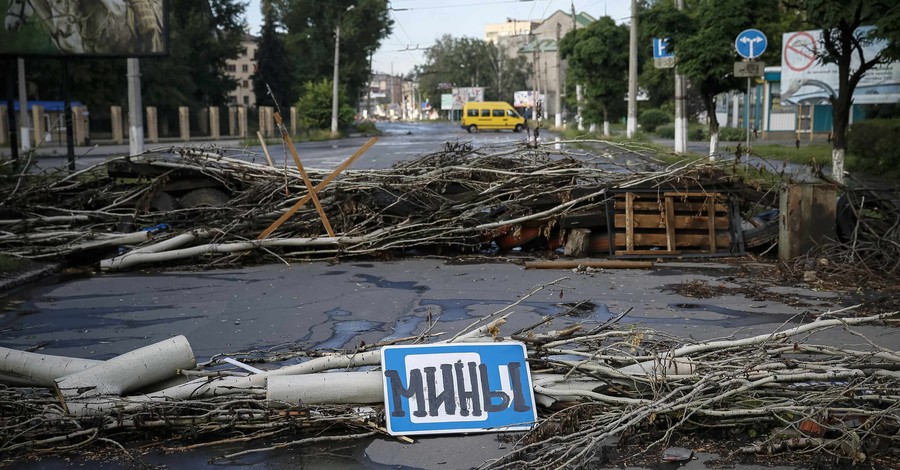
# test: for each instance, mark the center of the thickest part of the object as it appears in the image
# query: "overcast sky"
(419, 23)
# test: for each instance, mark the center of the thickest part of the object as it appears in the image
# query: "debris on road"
(591, 386)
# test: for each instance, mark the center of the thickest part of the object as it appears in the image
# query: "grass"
(8, 264)
(818, 153)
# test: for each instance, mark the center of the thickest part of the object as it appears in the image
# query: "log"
(37, 370)
(128, 372)
(603, 264)
(577, 242)
(326, 388)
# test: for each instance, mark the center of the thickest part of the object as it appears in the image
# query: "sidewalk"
(107, 148)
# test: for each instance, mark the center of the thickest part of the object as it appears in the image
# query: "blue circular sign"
(751, 43)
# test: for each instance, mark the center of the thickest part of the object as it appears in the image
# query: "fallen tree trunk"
(38, 370)
(128, 372)
(326, 388)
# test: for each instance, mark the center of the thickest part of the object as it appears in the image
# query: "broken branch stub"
(128, 372)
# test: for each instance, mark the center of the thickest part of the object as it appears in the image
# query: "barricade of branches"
(592, 383)
(456, 198)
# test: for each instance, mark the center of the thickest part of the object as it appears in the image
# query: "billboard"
(804, 79)
(117, 28)
(525, 99)
(463, 95)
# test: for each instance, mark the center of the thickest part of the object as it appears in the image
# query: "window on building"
(247, 100)
(231, 68)
(246, 84)
(245, 68)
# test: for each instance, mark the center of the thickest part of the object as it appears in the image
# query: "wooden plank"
(648, 252)
(656, 221)
(334, 174)
(698, 207)
(700, 194)
(681, 240)
(670, 223)
(629, 221)
(711, 212)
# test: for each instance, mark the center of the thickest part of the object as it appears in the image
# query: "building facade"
(241, 69)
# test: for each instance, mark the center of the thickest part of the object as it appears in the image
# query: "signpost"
(750, 44)
(457, 388)
(662, 57)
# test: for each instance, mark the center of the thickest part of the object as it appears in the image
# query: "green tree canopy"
(310, 39)
(272, 77)
(466, 62)
(702, 36)
(598, 59)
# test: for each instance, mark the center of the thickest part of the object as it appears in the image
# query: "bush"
(652, 118)
(666, 131)
(314, 107)
(873, 142)
(367, 127)
(732, 134)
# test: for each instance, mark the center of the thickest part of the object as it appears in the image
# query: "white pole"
(135, 114)
(632, 73)
(681, 122)
(334, 84)
(24, 133)
(747, 113)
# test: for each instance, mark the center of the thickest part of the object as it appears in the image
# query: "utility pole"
(681, 125)
(579, 91)
(23, 108)
(135, 121)
(632, 73)
(334, 84)
(559, 85)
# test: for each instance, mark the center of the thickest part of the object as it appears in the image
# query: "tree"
(598, 59)
(467, 62)
(702, 37)
(314, 107)
(272, 75)
(844, 44)
(311, 37)
(203, 35)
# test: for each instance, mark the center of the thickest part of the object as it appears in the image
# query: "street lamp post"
(334, 83)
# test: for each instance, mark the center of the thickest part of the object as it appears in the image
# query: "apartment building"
(241, 69)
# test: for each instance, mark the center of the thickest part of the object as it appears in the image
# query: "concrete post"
(267, 121)
(116, 118)
(214, 122)
(4, 125)
(37, 117)
(242, 122)
(631, 125)
(184, 123)
(203, 122)
(24, 139)
(152, 124)
(293, 120)
(80, 124)
(232, 121)
(807, 215)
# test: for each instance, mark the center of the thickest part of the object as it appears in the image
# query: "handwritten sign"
(457, 388)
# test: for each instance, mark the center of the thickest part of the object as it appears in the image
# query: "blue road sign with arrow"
(660, 48)
(751, 43)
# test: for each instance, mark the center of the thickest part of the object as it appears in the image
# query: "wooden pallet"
(671, 223)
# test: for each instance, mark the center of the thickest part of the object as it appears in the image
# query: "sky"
(419, 23)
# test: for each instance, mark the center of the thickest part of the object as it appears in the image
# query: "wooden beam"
(334, 174)
(306, 181)
(670, 223)
(262, 142)
(711, 213)
(629, 221)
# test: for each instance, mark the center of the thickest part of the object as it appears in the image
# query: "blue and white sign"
(457, 388)
(751, 43)
(660, 48)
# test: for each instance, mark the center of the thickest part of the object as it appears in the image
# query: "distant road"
(401, 141)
